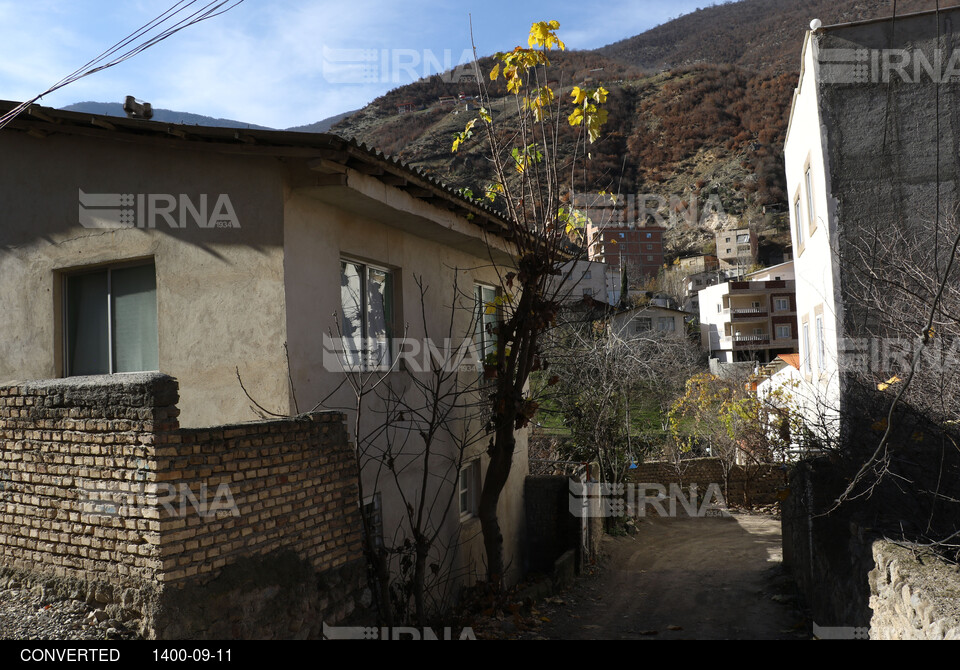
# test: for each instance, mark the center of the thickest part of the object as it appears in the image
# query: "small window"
(587, 275)
(111, 321)
(588, 291)
(821, 344)
(666, 324)
(366, 322)
(373, 516)
(758, 331)
(807, 363)
(784, 332)
(622, 235)
(649, 259)
(649, 235)
(781, 304)
(798, 220)
(469, 488)
(809, 180)
(643, 324)
(485, 338)
(649, 247)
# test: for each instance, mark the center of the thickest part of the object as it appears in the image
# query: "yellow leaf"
(495, 72)
(883, 386)
(485, 115)
(880, 425)
(578, 95)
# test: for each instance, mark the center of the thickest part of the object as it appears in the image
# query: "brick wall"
(748, 484)
(169, 528)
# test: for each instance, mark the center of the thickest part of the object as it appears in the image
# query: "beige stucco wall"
(326, 224)
(219, 290)
(232, 298)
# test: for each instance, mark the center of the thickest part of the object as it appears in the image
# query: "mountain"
(698, 110)
(754, 34)
(323, 126)
(164, 115)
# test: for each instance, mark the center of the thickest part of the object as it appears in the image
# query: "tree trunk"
(498, 471)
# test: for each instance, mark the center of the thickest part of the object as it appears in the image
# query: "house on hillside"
(589, 279)
(737, 247)
(649, 320)
(869, 118)
(752, 320)
(282, 260)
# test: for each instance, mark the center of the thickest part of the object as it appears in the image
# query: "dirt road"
(684, 578)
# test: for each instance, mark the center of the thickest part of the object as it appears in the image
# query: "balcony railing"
(748, 312)
(751, 339)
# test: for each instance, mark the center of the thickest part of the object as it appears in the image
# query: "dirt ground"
(683, 578)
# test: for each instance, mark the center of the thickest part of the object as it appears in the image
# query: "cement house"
(212, 248)
(861, 164)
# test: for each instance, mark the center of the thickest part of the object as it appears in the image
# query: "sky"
(284, 63)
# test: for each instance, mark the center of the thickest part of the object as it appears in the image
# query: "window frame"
(798, 224)
(365, 364)
(469, 494)
(789, 331)
(109, 268)
(487, 339)
(777, 302)
(372, 511)
(811, 209)
(821, 342)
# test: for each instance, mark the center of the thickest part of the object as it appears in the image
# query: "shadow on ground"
(684, 578)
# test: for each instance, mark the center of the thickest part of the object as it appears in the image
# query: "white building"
(750, 320)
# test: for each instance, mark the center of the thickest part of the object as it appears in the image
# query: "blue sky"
(282, 63)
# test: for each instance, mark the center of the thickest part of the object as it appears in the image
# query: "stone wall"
(913, 596)
(178, 532)
(851, 578)
(750, 484)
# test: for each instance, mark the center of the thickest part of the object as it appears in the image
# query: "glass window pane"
(489, 295)
(379, 316)
(135, 319)
(351, 303)
(87, 350)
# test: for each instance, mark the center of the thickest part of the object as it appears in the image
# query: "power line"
(116, 53)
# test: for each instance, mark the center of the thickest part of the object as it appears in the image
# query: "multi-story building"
(636, 249)
(736, 247)
(590, 279)
(751, 320)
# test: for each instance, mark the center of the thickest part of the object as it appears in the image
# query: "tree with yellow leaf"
(532, 186)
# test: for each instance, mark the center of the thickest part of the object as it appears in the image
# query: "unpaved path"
(684, 578)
